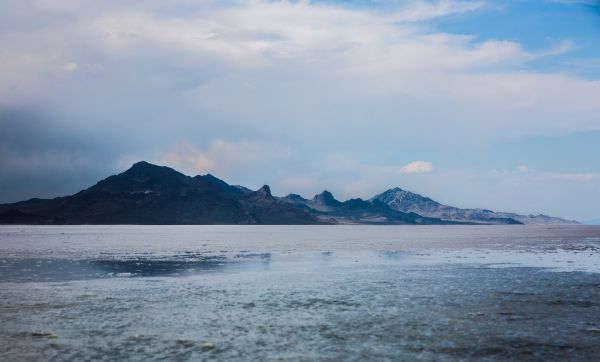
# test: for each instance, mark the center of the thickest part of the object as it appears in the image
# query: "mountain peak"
(294, 197)
(393, 192)
(213, 180)
(142, 175)
(140, 165)
(325, 198)
(264, 192)
(149, 168)
(397, 194)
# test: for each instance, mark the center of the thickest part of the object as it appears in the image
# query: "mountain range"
(150, 194)
(407, 201)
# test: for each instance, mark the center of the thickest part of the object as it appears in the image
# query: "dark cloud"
(41, 157)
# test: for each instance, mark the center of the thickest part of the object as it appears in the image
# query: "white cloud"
(417, 167)
(424, 10)
(230, 160)
(260, 33)
(188, 158)
(522, 168)
(70, 67)
(314, 65)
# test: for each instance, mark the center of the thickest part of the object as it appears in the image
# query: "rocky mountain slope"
(149, 194)
(406, 201)
(356, 211)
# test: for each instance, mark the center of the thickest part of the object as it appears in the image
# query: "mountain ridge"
(151, 194)
(406, 201)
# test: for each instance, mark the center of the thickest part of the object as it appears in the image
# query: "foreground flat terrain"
(299, 293)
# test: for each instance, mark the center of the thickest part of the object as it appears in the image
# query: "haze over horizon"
(490, 104)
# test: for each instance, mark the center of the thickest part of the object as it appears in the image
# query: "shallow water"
(299, 293)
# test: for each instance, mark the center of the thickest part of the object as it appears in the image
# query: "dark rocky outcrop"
(149, 194)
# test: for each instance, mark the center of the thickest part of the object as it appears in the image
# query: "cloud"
(417, 167)
(577, 177)
(42, 157)
(278, 92)
(426, 10)
(232, 160)
(189, 158)
(522, 168)
(321, 63)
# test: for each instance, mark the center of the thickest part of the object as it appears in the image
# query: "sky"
(492, 104)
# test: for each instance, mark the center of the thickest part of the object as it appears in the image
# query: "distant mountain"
(356, 211)
(150, 194)
(406, 201)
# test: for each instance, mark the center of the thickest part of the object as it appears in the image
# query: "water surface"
(299, 293)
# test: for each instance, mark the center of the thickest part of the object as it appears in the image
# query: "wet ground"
(299, 293)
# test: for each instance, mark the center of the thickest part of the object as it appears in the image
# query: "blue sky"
(535, 24)
(491, 104)
(539, 24)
